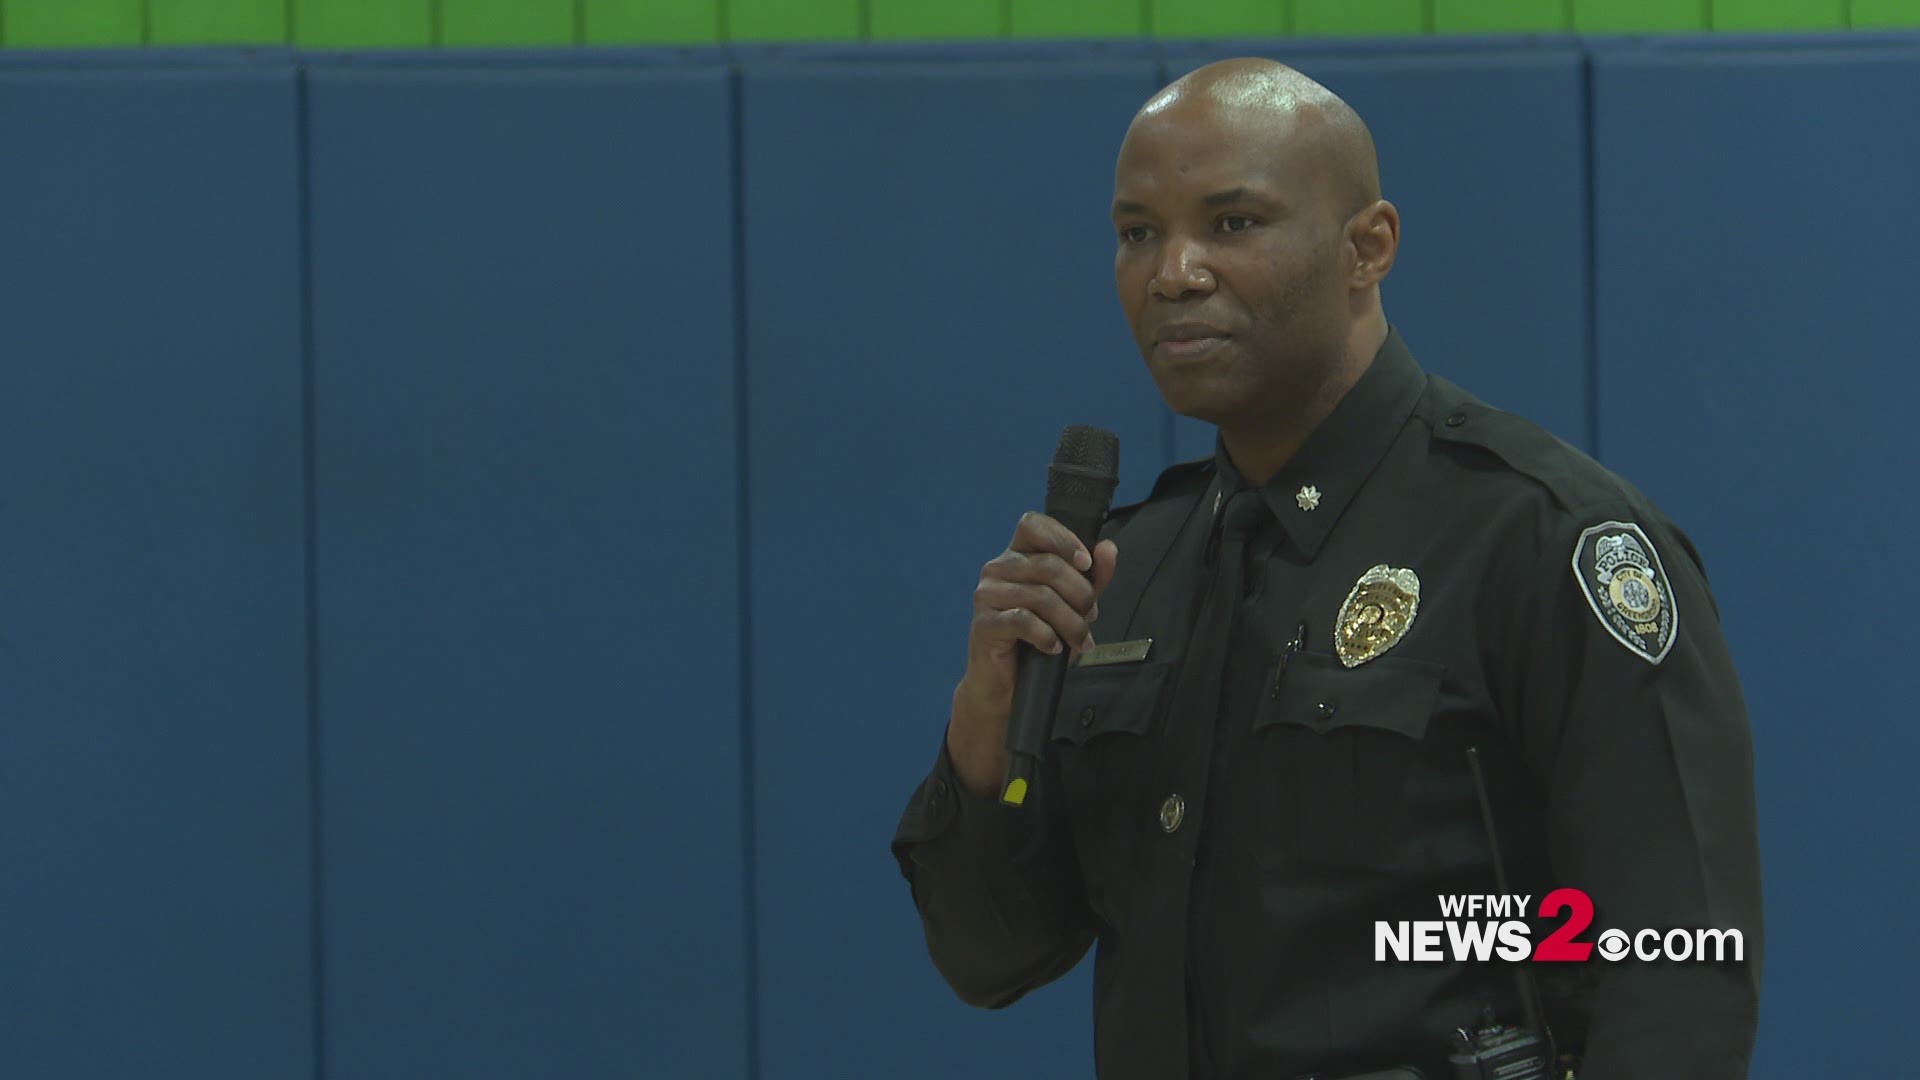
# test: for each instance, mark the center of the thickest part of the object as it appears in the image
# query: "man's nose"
(1182, 272)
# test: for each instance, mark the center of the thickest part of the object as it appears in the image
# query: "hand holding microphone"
(1032, 610)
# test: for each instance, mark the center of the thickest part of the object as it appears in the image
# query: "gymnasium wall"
(446, 497)
(458, 23)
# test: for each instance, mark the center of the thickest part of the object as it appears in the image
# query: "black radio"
(1495, 1052)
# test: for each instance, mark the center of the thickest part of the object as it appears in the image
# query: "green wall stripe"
(506, 22)
(75, 23)
(1640, 16)
(1501, 16)
(339, 24)
(425, 23)
(1336, 18)
(1209, 18)
(921, 19)
(1871, 14)
(1079, 18)
(624, 22)
(1779, 14)
(217, 22)
(793, 20)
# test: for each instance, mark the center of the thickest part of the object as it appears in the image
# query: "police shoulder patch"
(1627, 588)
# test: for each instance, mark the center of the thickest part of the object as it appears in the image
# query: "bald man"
(1295, 657)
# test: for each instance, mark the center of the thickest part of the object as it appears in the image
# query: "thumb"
(1106, 561)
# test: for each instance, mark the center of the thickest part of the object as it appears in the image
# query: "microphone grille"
(1088, 449)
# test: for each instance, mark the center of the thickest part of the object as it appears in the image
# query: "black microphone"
(1080, 483)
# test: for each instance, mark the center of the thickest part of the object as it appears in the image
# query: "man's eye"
(1134, 234)
(1236, 223)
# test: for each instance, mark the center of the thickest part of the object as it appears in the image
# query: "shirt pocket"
(1103, 743)
(1340, 750)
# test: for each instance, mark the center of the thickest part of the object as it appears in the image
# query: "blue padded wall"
(528, 547)
(1484, 155)
(153, 721)
(539, 853)
(1756, 245)
(930, 299)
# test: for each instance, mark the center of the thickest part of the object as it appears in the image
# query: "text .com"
(1489, 927)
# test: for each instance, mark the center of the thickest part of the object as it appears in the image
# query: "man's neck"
(1260, 449)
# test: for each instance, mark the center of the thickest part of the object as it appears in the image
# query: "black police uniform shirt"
(1227, 817)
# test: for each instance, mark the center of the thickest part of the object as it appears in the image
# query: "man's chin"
(1209, 404)
(1202, 391)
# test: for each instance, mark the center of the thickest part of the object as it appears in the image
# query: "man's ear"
(1375, 235)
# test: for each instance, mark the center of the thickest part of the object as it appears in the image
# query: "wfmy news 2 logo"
(1485, 927)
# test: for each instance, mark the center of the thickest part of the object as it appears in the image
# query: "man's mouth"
(1186, 340)
(1188, 331)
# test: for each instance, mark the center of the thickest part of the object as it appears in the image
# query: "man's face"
(1230, 261)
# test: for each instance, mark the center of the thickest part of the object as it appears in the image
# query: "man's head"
(1252, 240)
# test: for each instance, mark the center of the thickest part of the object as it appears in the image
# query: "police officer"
(1286, 652)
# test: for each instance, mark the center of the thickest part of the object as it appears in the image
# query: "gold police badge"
(1376, 614)
(1627, 588)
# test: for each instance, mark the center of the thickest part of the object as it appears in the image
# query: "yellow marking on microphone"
(1016, 793)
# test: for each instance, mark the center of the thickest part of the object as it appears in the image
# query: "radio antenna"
(1522, 974)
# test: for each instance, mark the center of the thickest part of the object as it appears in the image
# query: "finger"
(1106, 562)
(1067, 623)
(1045, 569)
(1039, 533)
(1016, 625)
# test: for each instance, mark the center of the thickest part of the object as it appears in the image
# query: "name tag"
(1120, 652)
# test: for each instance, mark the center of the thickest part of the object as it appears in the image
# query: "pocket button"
(1172, 813)
(1086, 716)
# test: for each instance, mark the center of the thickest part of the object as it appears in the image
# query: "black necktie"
(1192, 728)
(1241, 515)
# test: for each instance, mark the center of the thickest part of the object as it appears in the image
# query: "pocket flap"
(1106, 700)
(1391, 693)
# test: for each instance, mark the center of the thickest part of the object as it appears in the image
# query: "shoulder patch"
(1625, 585)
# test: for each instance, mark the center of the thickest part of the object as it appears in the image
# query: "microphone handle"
(1039, 676)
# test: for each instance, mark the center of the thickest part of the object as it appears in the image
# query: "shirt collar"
(1309, 494)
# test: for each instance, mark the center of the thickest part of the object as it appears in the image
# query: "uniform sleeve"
(997, 887)
(1648, 770)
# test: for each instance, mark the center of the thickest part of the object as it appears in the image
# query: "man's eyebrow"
(1237, 195)
(1217, 199)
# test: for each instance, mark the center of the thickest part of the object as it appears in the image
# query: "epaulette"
(1177, 479)
(1573, 479)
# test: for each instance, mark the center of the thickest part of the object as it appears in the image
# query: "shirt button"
(1172, 813)
(1456, 419)
(1325, 710)
(1086, 716)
